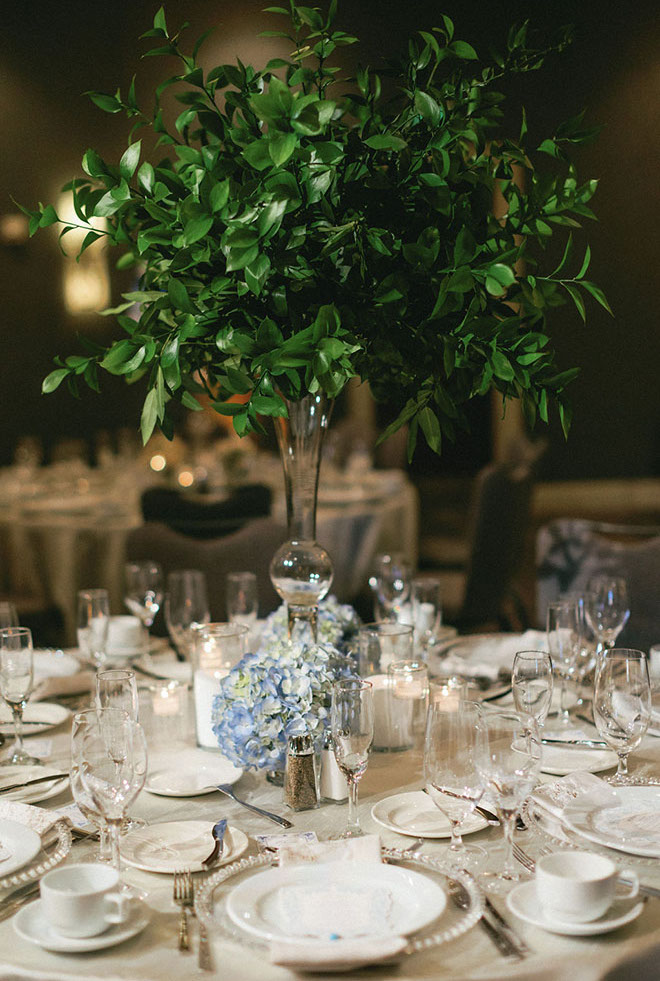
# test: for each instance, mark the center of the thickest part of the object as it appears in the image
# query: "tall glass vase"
(301, 570)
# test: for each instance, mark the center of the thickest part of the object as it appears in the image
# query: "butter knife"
(16, 900)
(218, 832)
(28, 783)
(516, 942)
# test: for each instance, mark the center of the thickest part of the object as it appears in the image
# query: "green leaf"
(384, 141)
(282, 147)
(597, 294)
(179, 297)
(428, 108)
(53, 380)
(431, 428)
(577, 298)
(256, 273)
(463, 50)
(502, 273)
(585, 264)
(196, 228)
(501, 366)
(129, 161)
(149, 415)
(106, 102)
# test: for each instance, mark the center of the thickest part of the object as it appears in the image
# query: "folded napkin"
(73, 684)
(574, 794)
(488, 657)
(36, 818)
(344, 953)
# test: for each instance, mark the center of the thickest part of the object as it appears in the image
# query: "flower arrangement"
(337, 625)
(270, 695)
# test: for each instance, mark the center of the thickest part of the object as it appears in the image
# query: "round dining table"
(631, 952)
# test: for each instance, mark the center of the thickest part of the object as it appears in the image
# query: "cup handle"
(629, 888)
(121, 903)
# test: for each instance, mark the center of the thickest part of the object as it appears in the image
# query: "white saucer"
(189, 774)
(523, 902)
(30, 924)
(36, 792)
(562, 760)
(20, 845)
(37, 717)
(415, 814)
(178, 845)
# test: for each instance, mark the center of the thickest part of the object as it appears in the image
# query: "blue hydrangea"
(337, 624)
(272, 694)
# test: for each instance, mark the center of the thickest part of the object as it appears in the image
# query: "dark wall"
(54, 50)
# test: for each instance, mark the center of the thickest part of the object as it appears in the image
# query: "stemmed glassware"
(352, 727)
(622, 703)
(81, 795)
(607, 608)
(507, 755)
(117, 688)
(16, 683)
(563, 641)
(113, 768)
(242, 599)
(531, 683)
(426, 602)
(8, 614)
(450, 775)
(93, 623)
(186, 606)
(391, 583)
(144, 590)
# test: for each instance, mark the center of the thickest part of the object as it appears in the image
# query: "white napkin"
(36, 818)
(73, 684)
(485, 658)
(574, 793)
(342, 954)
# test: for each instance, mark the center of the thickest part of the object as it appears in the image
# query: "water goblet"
(93, 623)
(507, 755)
(241, 596)
(16, 683)
(450, 774)
(186, 606)
(81, 796)
(113, 768)
(622, 703)
(144, 590)
(352, 727)
(531, 683)
(391, 585)
(562, 634)
(607, 608)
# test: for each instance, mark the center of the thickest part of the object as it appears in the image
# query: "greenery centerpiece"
(295, 227)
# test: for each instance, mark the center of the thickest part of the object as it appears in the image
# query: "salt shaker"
(301, 791)
(333, 782)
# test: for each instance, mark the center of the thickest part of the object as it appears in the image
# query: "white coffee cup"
(126, 635)
(83, 900)
(578, 887)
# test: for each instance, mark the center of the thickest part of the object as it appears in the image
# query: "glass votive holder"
(379, 644)
(448, 692)
(217, 648)
(407, 702)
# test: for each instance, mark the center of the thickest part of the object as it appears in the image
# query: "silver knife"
(218, 832)
(16, 900)
(594, 743)
(28, 783)
(516, 942)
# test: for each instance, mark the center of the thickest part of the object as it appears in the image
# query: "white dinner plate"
(177, 845)
(32, 925)
(332, 900)
(561, 760)
(37, 717)
(631, 824)
(54, 664)
(523, 902)
(18, 846)
(169, 669)
(38, 791)
(190, 773)
(415, 814)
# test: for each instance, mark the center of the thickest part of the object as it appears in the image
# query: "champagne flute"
(507, 756)
(113, 768)
(83, 799)
(144, 590)
(622, 703)
(426, 602)
(531, 682)
(117, 688)
(607, 608)
(16, 683)
(93, 622)
(450, 775)
(186, 607)
(352, 727)
(562, 634)
(241, 596)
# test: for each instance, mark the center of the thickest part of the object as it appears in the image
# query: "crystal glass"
(391, 583)
(507, 756)
(622, 702)
(81, 795)
(144, 589)
(585, 662)
(117, 688)
(16, 683)
(217, 648)
(562, 634)
(93, 622)
(607, 608)
(186, 606)
(113, 768)
(379, 644)
(352, 727)
(426, 601)
(407, 702)
(450, 774)
(8, 614)
(241, 598)
(531, 682)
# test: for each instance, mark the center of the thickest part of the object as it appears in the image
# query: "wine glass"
(531, 682)
(241, 597)
(607, 608)
(8, 614)
(450, 775)
(83, 799)
(426, 602)
(562, 634)
(352, 727)
(16, 683)
(113, 768)
(186, 606)
(93, 623)
(507, 756)
(117, 688)
(622, 703)
(144, 589)
(391, 585)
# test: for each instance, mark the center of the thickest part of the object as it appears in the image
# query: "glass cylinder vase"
(301, 569)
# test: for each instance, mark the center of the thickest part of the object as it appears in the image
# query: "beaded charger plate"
(54, 850)
(454, 919)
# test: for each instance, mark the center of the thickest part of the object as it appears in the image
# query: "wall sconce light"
(85, 281)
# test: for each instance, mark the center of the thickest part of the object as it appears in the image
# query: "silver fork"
(183, 897)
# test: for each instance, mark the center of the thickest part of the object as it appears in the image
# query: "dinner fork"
(183, 896)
